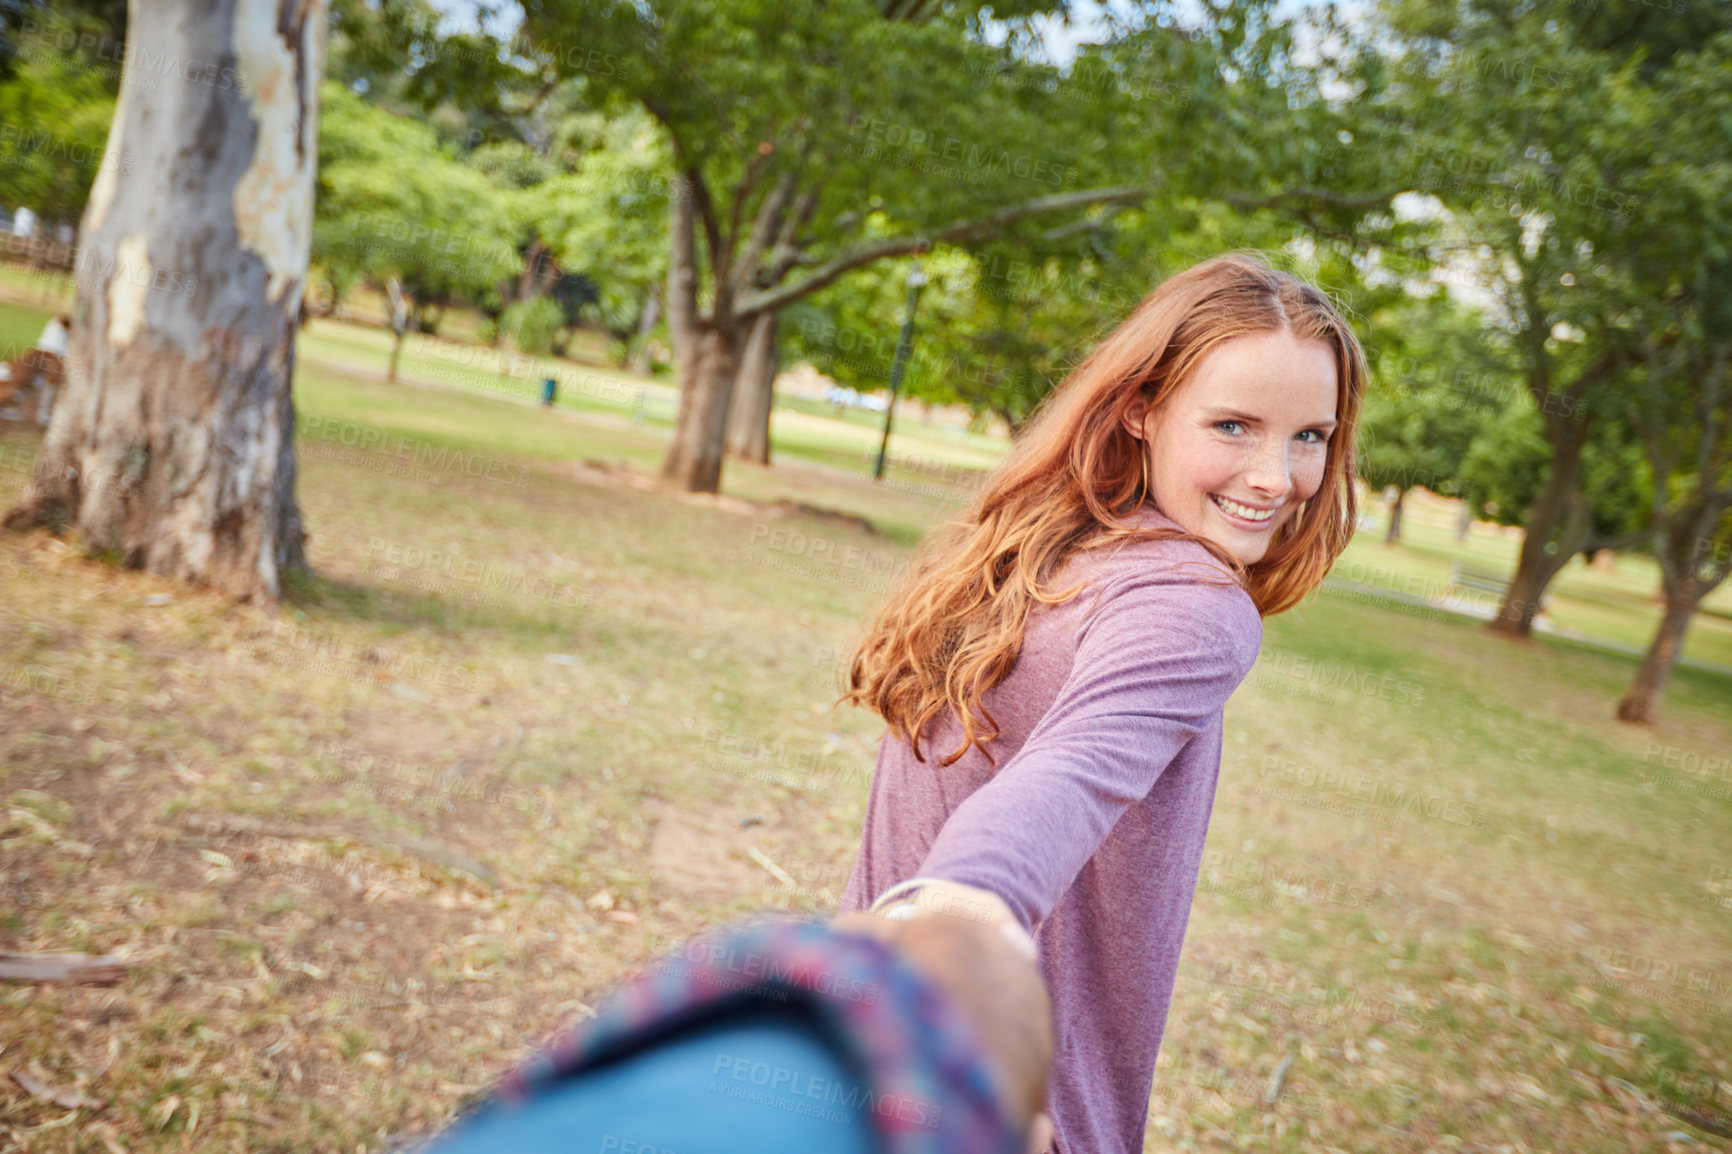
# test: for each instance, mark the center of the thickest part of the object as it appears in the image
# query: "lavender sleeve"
(1156, 659)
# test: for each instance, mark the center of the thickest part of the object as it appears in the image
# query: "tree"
(1684, 420)
(906, 115)
(1677, 316)
(393, 203)
(782, 154)
(1434, 383)
(1525, 126)
(608, 220)
(173, 446)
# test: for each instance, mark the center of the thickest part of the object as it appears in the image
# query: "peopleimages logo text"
(417, 452)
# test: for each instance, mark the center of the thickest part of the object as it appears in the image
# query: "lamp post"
(916, 281)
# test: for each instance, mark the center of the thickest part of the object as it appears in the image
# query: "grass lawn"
(533, 723)
(1619, 605)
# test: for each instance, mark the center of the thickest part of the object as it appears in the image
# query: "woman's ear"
(1135, 416)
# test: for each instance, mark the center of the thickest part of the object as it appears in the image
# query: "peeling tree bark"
(754, 394)
(172, 446)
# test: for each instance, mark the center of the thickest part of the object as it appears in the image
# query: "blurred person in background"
(55, 335)
(28, 384)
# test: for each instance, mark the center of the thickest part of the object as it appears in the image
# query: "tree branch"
(695, 186)
(832, 270)
(700, 194)
(1312, 196)
(768, 220)
(748, 184)
(1077, 228)
(782, 257)
(1616, 543)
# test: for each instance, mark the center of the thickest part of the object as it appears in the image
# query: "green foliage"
(1505, 467)
(392, 203)
(1581, 181)
(466, 84)
(1437, 383)
(31, 26)
(608, 220)
(533, 324)
(1503, 471)
(894, 126)
(55, 110)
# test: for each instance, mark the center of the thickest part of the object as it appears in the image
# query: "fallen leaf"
(79, 968)
(70, 1099)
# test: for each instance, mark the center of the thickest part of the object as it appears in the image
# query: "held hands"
(919, 897)
(967, 940)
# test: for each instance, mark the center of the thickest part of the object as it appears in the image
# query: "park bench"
(1463, 575)
(654, 408)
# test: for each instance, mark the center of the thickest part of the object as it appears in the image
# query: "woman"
(1054, 669)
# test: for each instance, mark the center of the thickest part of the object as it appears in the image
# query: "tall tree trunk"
(755, 394)
(172, 446)
(652, 311)
(694, 460)
(707, 350)
(1641, 702)
(1393, 536)
(682, 291)
(530, 280)
(1545, 527)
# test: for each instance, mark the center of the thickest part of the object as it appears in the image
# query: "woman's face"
(1241, 445)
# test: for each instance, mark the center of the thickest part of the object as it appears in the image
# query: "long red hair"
(953, 628)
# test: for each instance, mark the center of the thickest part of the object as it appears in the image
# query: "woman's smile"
(1252, 517)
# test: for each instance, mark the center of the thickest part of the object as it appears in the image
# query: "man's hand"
(962, 948)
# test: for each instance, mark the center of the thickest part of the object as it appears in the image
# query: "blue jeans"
(760, 1085)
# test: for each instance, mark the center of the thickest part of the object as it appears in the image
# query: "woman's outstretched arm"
(1157, 655)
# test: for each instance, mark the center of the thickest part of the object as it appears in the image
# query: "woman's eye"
(1317, 434)
(1223, 425)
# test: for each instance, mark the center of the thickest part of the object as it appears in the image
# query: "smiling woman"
(1236, 450)
(1068, 645)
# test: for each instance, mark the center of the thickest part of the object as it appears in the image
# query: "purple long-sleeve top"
(1092, 825)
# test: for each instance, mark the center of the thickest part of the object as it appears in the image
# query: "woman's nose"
(1271, 473)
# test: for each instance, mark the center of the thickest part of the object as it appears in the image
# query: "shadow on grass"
(337, 600)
